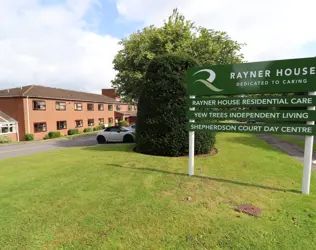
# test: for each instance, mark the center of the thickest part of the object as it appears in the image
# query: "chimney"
(111, 93)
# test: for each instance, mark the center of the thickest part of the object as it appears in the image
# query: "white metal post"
(308, 155)
(191, 147)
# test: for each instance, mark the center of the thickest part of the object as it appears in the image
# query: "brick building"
(39, 110)
(9, 127)
(123, 112)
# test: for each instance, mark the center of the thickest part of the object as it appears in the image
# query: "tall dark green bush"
(162, 110)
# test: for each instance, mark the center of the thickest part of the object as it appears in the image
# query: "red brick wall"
(51, 116)
(132, 120)
(111, 93)
(14, 107)
(13, 137)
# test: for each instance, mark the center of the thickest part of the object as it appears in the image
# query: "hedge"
(101, 127)
(162, 110)
(29, 137)
(54, 134)
(73, 132)
(87, 130)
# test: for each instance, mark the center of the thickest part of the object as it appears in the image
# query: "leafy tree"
(177, 34)
(162, 110)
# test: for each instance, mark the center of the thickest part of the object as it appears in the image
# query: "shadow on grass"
(112, 147)
(249, 141)
(208, 178)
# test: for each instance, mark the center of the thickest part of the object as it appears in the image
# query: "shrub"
(87, 130)
(123, 123)
(101, 127)
(73, 132)
(162, 110)
(110, 125)
(29, 137)
(4, 139)
(54, 134)
(46, 137)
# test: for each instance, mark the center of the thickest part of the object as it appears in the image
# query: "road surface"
(20, 149)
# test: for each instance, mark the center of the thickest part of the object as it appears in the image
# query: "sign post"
(191, 147)
(227, 86)
(308, 155)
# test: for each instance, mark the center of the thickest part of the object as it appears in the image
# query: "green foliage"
(177, 34)
(65, 191)
(87, 130)
(162, 110)
(123, 123)
(29, 137)
(73, 132)
(110, 125)
(4, 139)
(46, 137)
(98, 128)
(54, 134)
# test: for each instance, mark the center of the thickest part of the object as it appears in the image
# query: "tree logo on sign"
(208, 82)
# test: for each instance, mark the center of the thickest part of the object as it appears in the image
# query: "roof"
(127, 113)
(5, 118)
(36, 91)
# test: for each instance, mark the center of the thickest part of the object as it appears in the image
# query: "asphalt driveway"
(20, 149)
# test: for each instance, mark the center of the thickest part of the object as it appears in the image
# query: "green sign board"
(258, 115)
(254, 128)
(278, 101)
(282, 76)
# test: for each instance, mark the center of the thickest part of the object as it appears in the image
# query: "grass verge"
(108, 197)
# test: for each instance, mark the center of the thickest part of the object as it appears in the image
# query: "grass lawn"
(296, 141)
(108, 197)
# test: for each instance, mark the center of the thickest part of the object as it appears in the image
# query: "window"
(39, 105)
(90, 107)
(118, 107)
(61, 125)
(135, 107)
(112, 129)
(90, 122)
(60, 106)
(101, 121)
(100, 107)
(110, 107)
(78, 123)
(78, 106)
(110, 120)
(129, 108)
(40, 127)
(7, 128)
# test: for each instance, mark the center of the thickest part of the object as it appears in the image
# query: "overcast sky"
(71, 43)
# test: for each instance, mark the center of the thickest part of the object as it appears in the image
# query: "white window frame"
(8, 125)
